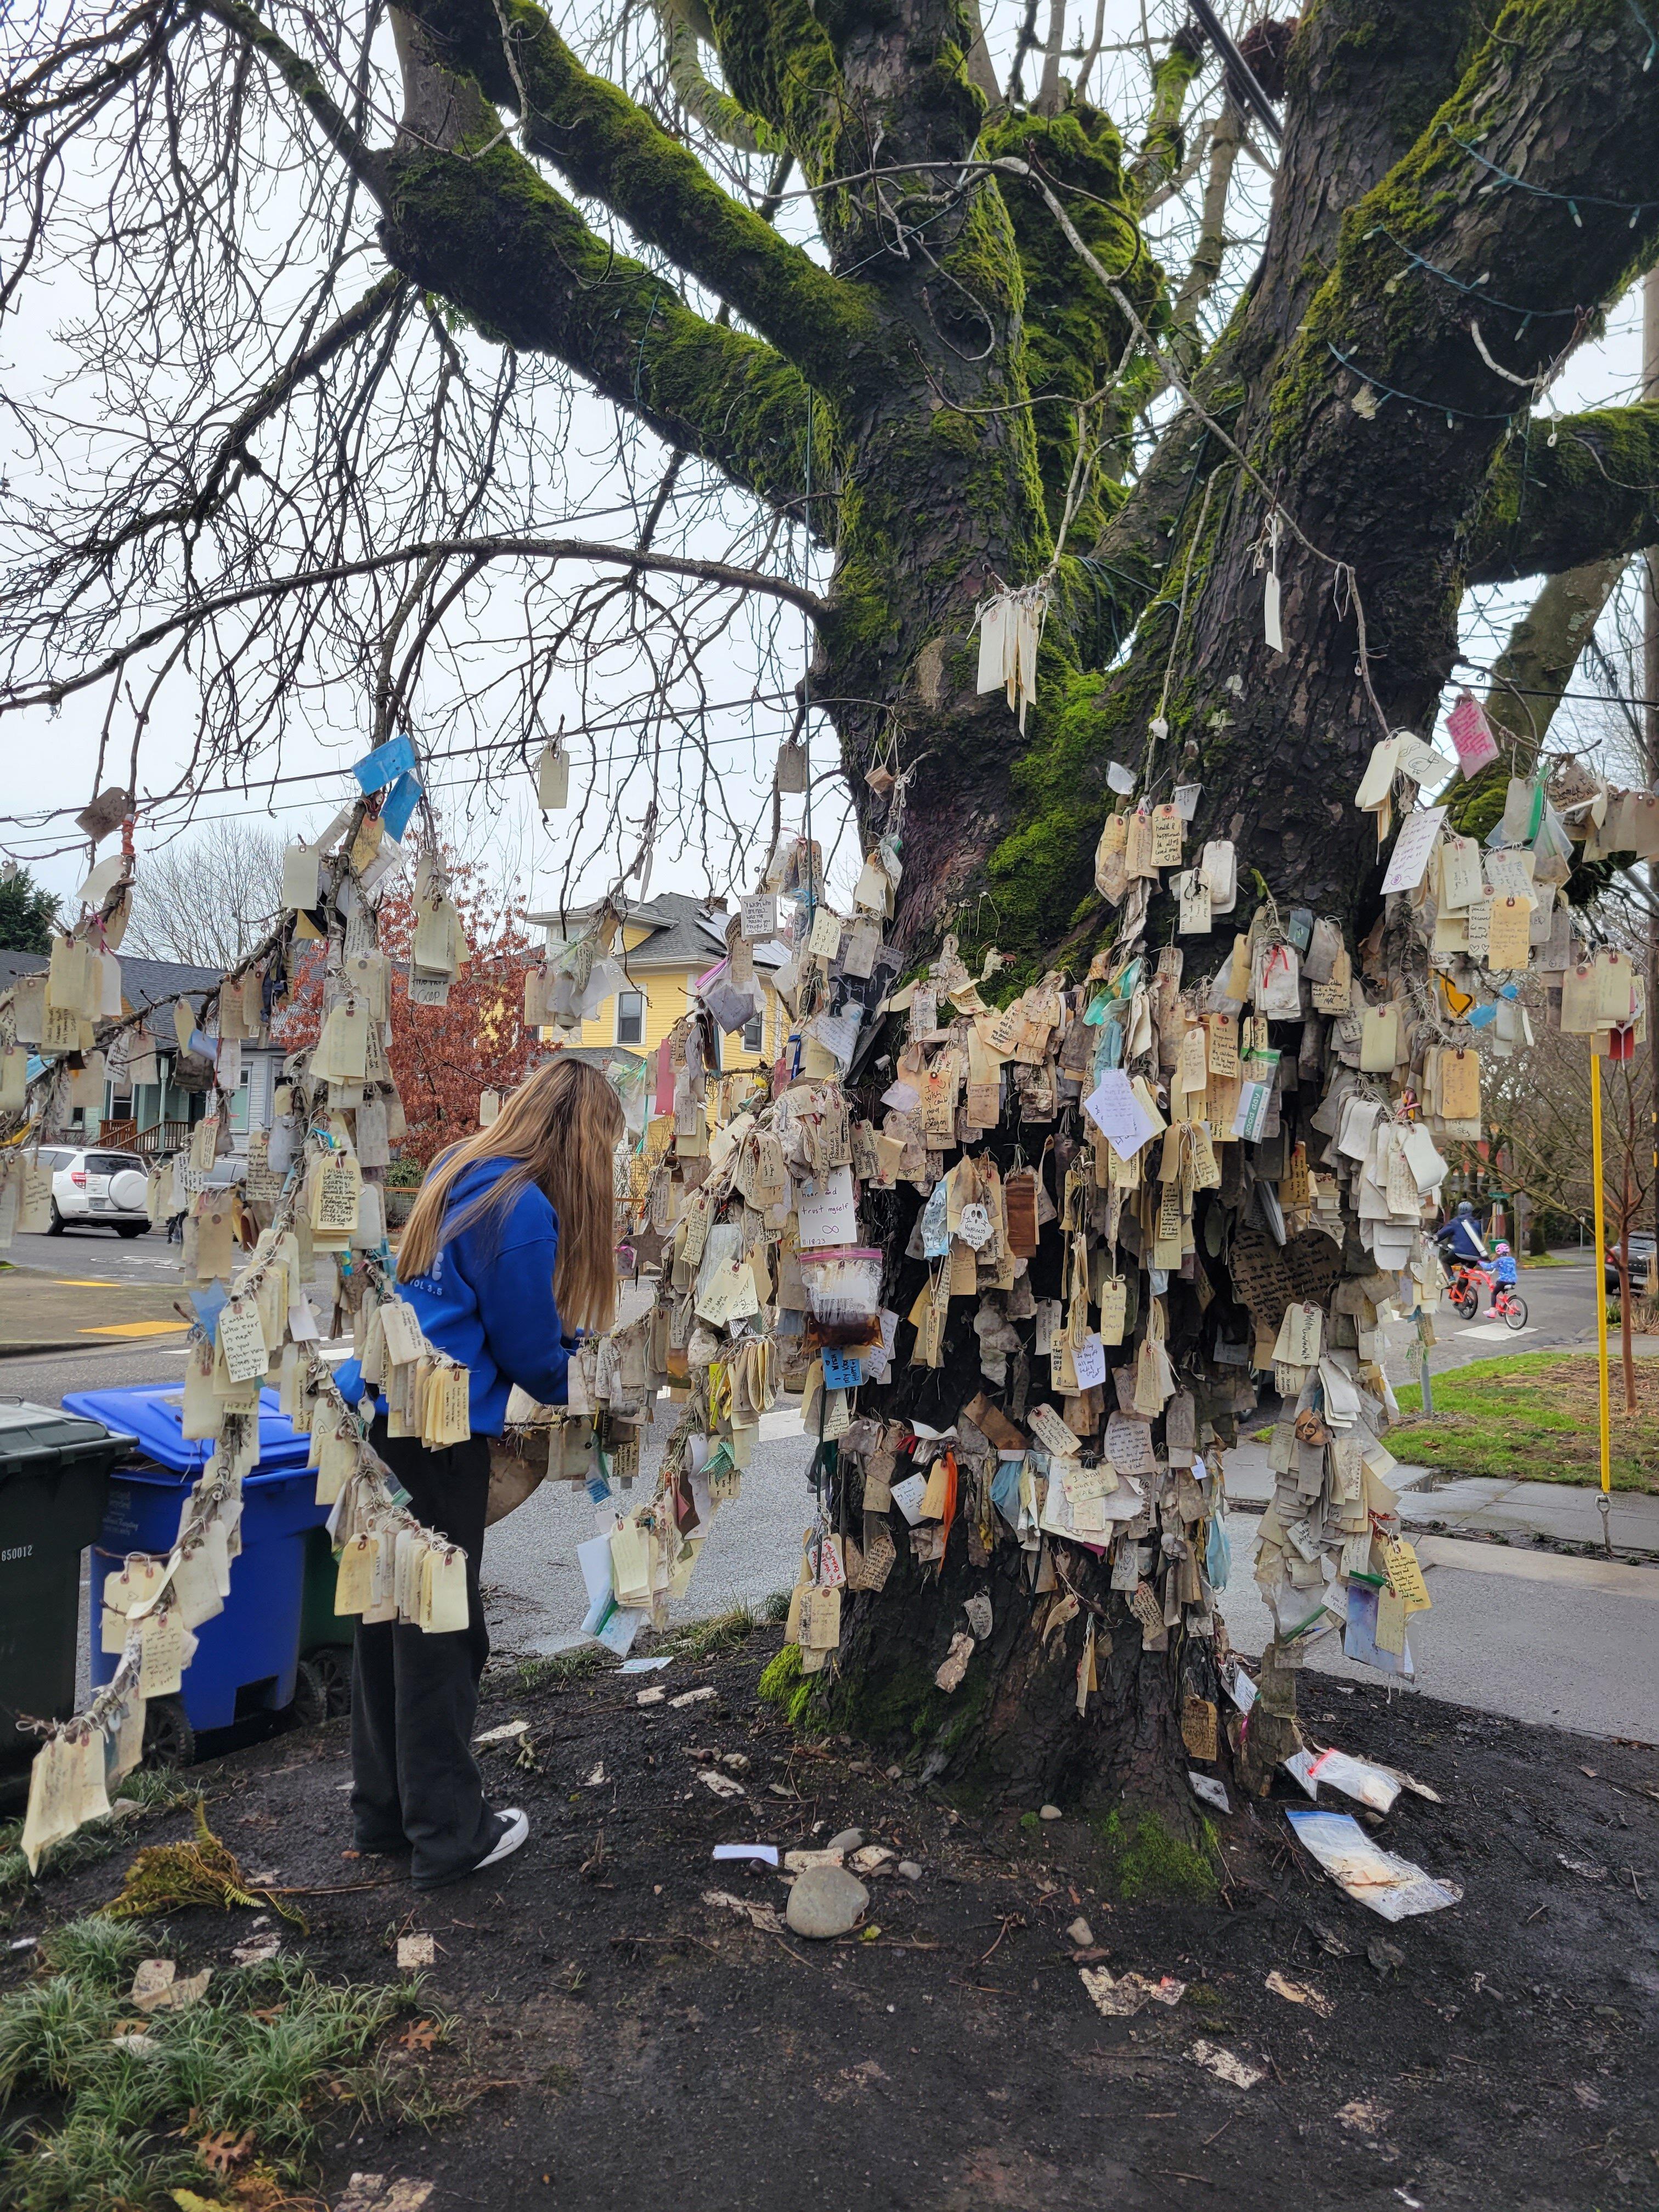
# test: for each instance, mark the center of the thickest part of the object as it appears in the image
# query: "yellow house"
(668, 942)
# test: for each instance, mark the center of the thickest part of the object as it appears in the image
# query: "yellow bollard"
(1605, 1500)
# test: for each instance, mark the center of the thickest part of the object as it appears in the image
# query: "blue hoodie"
(487, 1302)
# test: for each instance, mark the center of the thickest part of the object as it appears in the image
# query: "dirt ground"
(619, 2045)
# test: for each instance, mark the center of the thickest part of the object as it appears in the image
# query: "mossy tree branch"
(728, 118)
(609, 149)
(1582, 488)
(493, 236)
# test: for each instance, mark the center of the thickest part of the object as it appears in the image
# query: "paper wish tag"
(1301, 1336)
(1405, 1576)
(1467, 728)
(1195, 914)
(1119, 1114)
(241, 1341)
(1419, 835)
(1509, 933)
(1051, 1432)
(1129, 1444)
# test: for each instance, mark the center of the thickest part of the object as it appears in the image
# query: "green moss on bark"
(1145, 1862)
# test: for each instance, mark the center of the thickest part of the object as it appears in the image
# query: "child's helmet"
(1502, 1250)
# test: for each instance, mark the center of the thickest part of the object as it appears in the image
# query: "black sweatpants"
(415, 1697)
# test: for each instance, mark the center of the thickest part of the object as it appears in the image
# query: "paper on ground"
(1392, 1887)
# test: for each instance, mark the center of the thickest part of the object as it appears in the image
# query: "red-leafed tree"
(444, 1056)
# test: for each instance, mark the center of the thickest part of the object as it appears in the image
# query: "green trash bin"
(54, 1491)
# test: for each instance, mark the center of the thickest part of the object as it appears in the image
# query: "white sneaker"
(515, 1827)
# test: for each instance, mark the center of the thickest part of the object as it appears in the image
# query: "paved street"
(1560, 1317)
(1527, 1633)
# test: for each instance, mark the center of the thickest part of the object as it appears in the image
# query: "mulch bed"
(619, 2043)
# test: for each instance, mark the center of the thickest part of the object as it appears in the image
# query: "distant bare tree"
(209, 899)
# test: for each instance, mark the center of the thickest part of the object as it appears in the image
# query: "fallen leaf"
(1123, 1997)
(257, 1950)
(1225, 2065)
(152, 1981)
(377, 2193)
(596, 1778)
(1591, 2098)
(421, 2036)
(220, 2154)
(1301, 1993)
(722, 1784)
(1586, 1868)
(156, 1986)
(1363, 2115)
(760, 1916)
(693, 1696)
(504, 1734)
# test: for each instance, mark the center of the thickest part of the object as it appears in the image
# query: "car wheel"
(55, 1226)
(132, 1228)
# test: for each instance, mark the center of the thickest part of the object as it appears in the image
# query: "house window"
(754, 1033)
(631, 1018)
(239, 1105)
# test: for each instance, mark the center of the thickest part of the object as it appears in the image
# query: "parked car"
(107, 1189)
(1643, 1250)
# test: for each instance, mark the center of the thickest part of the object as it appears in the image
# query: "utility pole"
(1651, 715)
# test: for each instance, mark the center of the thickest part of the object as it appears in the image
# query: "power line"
(251, 788)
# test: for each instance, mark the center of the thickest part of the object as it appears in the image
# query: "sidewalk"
(1571, 1648)
(67, 1312)
(1564, 1512)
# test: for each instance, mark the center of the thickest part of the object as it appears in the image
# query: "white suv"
(109, 1188)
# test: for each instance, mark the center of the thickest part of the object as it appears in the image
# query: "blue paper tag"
(840, 1373)
(377, 769)
(400, 803)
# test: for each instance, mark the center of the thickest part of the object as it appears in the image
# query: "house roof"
(686, 933)
(145, 984)
(14, 964)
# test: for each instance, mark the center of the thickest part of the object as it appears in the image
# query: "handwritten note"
(1418, 836)
(1118, 1114)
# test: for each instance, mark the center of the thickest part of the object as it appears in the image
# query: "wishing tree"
(1112, 615)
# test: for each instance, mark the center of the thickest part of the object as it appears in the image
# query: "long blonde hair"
(561, 1127)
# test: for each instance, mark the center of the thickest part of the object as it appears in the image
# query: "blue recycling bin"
(247, 1659)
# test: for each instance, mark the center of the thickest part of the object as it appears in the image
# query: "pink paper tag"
(1474, 741)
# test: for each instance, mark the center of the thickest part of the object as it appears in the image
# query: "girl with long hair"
(510, 1247)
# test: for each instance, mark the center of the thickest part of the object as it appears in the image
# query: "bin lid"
(153, 1417)
(31, 1435)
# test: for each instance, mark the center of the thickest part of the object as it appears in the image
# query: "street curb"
(73, 1343)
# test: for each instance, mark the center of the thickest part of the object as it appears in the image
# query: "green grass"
(1533, 1419)
(563, 1666)
(1551, 1259)
(270, 2049)
(707, 1639)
